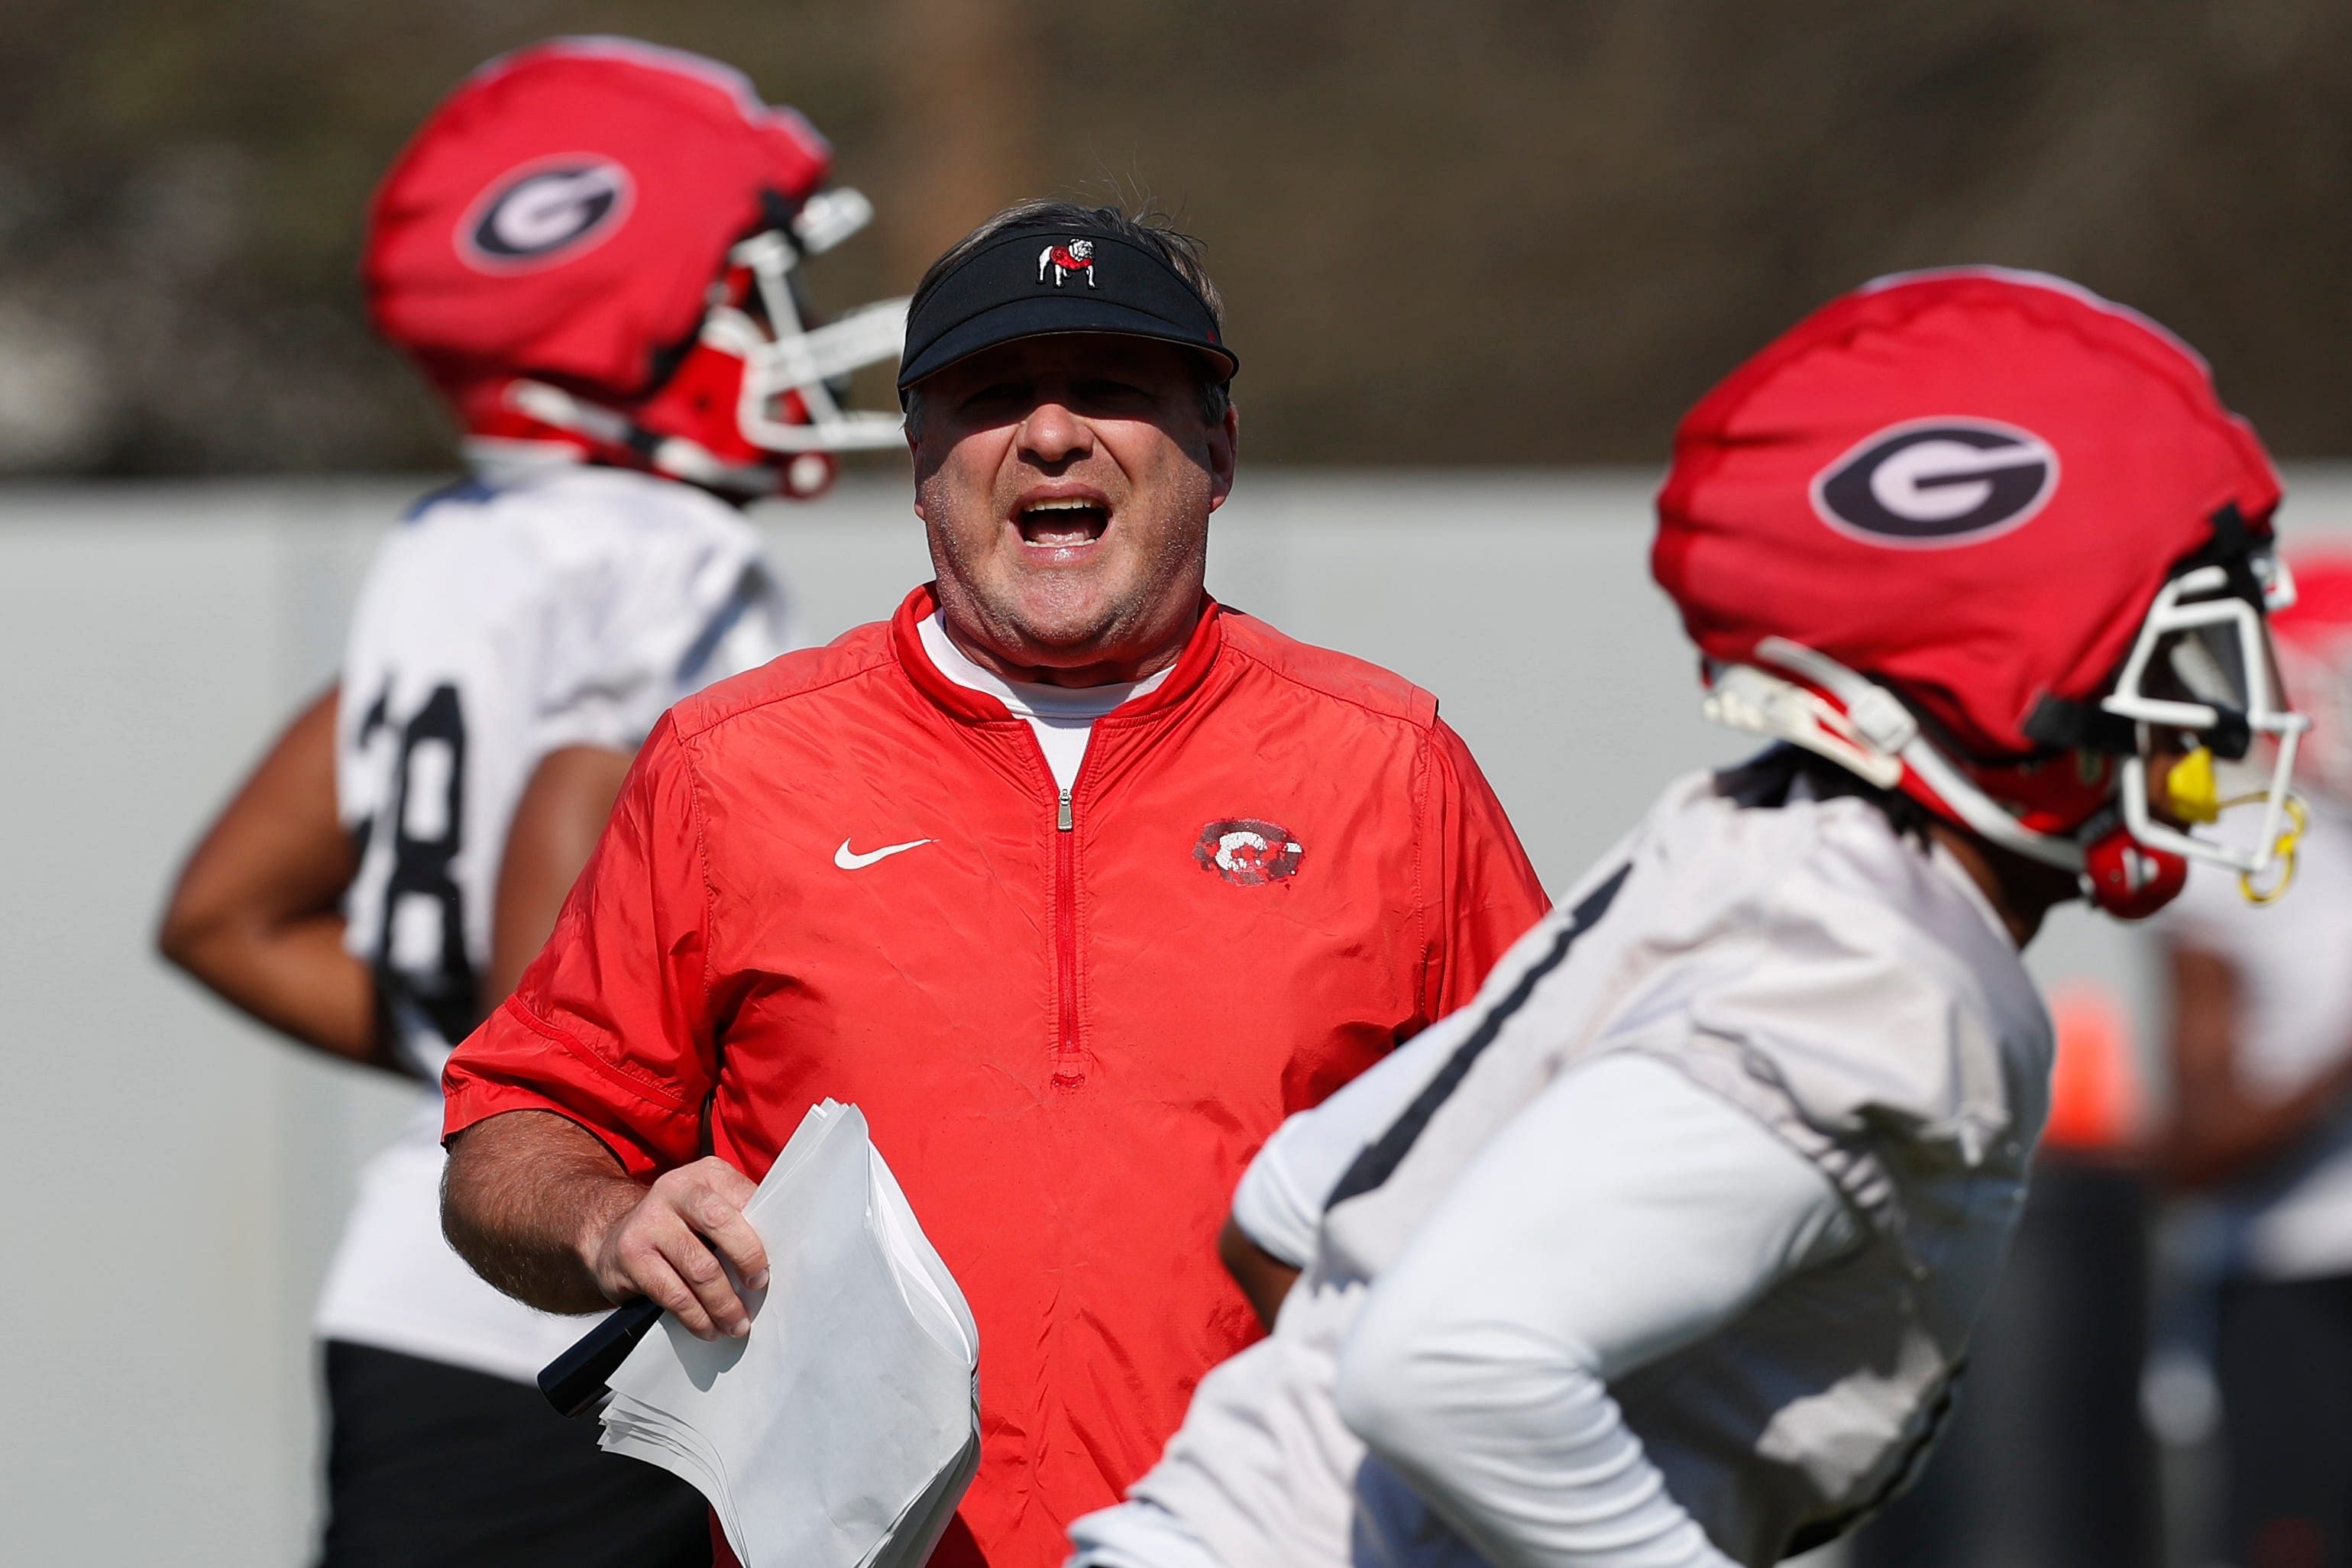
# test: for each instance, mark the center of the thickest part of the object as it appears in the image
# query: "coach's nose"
(1053, 435)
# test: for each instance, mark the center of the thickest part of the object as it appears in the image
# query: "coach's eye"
(993, 397)
(1106, 394)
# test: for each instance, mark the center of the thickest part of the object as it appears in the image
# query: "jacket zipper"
(1068, 1072)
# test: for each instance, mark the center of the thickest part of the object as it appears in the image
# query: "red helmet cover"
(563, 213)
(2312, 638)
(2318, 625)
(1968, 486)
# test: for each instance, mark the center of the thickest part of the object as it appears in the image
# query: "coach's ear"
(1224, 448)
(913, 430)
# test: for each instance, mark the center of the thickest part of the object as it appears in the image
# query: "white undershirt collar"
(1062, 717)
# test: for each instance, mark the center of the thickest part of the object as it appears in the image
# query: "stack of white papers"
(842, 1431)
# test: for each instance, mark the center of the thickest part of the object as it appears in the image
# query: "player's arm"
(1271, 1235)
(1488, 897)
(256, 913)
(562, 810)
(2220, 1127)
(1264, 1279)
(1624, 1213)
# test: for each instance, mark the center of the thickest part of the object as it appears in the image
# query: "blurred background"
(1498, 245)
(1514, 233)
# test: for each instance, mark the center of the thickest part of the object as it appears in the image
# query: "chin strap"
(1877, 719)
(1742, 696)
(1867, 730)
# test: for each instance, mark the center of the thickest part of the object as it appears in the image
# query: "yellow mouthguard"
(2192, 790)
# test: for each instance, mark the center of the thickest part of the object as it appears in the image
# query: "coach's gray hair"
(1147, 230)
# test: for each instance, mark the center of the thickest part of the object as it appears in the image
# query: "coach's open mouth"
(1062, 522)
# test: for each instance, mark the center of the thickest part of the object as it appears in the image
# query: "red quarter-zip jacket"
(1070, 1018)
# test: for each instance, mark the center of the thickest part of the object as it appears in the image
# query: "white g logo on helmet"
(1937, 482)
(548, 211)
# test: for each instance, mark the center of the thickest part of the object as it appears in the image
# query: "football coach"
(1074, 880)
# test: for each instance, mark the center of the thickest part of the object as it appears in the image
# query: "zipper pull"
(1062, 813)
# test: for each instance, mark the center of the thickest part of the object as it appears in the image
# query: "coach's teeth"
(1063, 522)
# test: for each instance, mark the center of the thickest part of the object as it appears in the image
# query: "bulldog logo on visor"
(545, 213)
(1248, 852)
(1078, 256)
(1934, 482)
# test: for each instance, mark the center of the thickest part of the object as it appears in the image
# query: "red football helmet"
(1987, 539)
(593, 245)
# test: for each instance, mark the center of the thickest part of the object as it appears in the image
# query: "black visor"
(1031, 282)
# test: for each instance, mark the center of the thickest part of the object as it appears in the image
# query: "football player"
(1666, 1250)
(592, 249)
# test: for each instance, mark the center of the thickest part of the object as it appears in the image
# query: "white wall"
(181, 1176)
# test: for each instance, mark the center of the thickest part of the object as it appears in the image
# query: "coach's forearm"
(527, 1199)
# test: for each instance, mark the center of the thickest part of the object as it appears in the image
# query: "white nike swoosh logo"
(847, 860)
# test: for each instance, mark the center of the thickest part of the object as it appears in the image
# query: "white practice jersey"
(1851, 992)
(2292, 1218)
(501, 622)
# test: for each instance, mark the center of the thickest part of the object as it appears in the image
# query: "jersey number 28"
(420, 955)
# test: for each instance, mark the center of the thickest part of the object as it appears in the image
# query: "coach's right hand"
(669, 1245)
